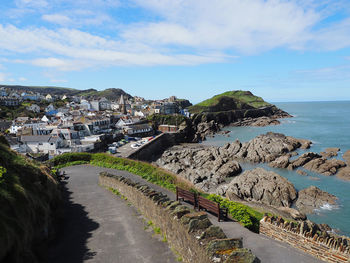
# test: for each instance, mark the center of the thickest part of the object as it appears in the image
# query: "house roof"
(35, 138)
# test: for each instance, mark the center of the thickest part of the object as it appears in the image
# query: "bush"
(69, 158)
(247, 216)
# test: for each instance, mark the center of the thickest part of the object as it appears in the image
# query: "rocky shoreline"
(217, 170)
(210, 123)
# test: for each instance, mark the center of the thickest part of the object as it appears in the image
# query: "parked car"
(135, 145)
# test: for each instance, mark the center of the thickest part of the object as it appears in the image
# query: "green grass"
(244, 214)
(28, 193)
(240, 97)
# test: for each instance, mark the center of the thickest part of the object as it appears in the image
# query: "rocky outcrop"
(303, 159)
(280, 162)
(270, 146)
(204, 167)
(344, 173)
(330, 152)
(346, 157)
(312, 198)
(262, 186)
(205, 129)
(324, 166)
(231, 115)
(259, 122)
(293, 213)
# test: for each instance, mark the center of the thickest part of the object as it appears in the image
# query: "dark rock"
(344, 173)
(330, 152)
(346, 157)
(261, 186)
(242, 255)
(324, 166)
(268, 147)
(280, 162)
(195, 215)
(301, 172)
(204, 167)
(293, 213)
(213, 232)
(180, 211)
(303, 159)
(196, 224)
(224, 244)
(259, 122)
(312, 198)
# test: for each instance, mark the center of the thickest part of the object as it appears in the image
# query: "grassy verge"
(244, 214)
(28, 198)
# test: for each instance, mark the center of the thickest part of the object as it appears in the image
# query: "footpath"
(265, 248)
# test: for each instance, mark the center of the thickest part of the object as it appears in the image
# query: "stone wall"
(308, 237)
(190, 233)
(149, 151)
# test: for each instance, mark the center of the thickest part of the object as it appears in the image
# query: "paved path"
(101, 227)
(266, 249)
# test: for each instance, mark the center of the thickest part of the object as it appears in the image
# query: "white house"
(48, 97)
(139, 114)
(42, 143)
(15, 127)
(84, 104)
(34, 108)
(95, 105)
(49, 108)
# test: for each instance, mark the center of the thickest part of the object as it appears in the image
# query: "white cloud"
(57, 19)
(22, 79)
(81, 50)
(246, 26)
(181, 32)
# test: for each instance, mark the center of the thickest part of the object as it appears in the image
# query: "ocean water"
(326, 124)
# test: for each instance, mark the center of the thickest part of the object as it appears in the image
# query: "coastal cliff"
(239, 108)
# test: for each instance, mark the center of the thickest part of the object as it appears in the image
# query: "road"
(104, 209)
(100, 227)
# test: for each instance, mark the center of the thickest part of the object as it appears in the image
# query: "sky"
(281, 50)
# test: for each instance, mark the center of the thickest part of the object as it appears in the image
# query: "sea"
(326, 124)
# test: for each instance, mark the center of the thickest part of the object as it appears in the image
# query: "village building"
(9, 102)
(168, 128)
(34, 108)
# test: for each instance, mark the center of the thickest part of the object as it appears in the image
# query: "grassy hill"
(28, 198)
(230, 100)
(111, 94)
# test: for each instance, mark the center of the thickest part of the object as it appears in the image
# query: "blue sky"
(296, 50)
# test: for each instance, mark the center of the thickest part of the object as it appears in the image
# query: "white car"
(135, 145)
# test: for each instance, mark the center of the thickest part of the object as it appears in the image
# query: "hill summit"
(230, 100)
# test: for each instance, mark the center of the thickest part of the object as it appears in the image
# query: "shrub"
(70, 157)
(247, 216)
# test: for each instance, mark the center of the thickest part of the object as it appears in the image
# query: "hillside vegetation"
(111, 94)
(230, 100)
(28, 197)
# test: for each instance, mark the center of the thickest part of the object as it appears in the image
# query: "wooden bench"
(182, 194)
(211, 206)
